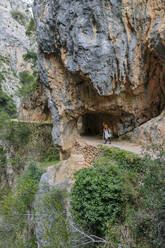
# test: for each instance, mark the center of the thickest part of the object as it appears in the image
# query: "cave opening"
(91, 124)
(47, 113)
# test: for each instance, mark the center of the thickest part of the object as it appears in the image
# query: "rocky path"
(97, 140)
(122, 144)
(84, 152)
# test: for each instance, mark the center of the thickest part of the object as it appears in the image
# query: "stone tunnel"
(91, 124)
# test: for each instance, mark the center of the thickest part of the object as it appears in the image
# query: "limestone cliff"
(151, 132)
(17, 40)
(101, 60)
(14, 43)
(15, 16)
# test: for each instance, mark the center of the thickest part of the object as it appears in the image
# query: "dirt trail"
(84, 153)
(29, 121)
(96, 140)
(122, 144)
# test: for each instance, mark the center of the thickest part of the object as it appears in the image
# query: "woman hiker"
(107, 133)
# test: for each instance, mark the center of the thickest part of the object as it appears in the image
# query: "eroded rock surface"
(14, 43)
(60, 176)
(151, 132)
(101, 60)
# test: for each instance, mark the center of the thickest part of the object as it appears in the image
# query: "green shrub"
(4, 60)
(30, 29)
(50, 154)
(18, 16)
(6, 104)
(149, 220)
(26, 188)
(29, 83)
(124, 159)
(31, 56)
(56, 230)
(17, 134)
(25, 137)
(17, 228)
(17, 163)
(14, 74)
(122, 197)
(2, 77)
(26, 78)
(3, 160)
(97, 197)
(145, 216)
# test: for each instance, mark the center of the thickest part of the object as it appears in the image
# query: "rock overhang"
(100, 57)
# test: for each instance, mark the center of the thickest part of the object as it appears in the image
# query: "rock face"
(59, 176)
(101, 60)
(14, 43)
(151, 132)
(46, 215)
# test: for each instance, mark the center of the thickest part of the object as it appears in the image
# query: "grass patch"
(18, 16)
(30, 28)
(45, 165)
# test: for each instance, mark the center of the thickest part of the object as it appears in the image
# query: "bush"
(17, 163)
(3, 160)
(144, 219)
(26, 78)
(17, 228)
(29, 83)
(17, 134)
(2, 78)
(50, 154)
(6, 104)
(26, 188)
(31, 56)
(18, 16)
(30, 29)
(55, 230)
(124, 159)
(97, 197)
(4, 60)
(122, 197)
